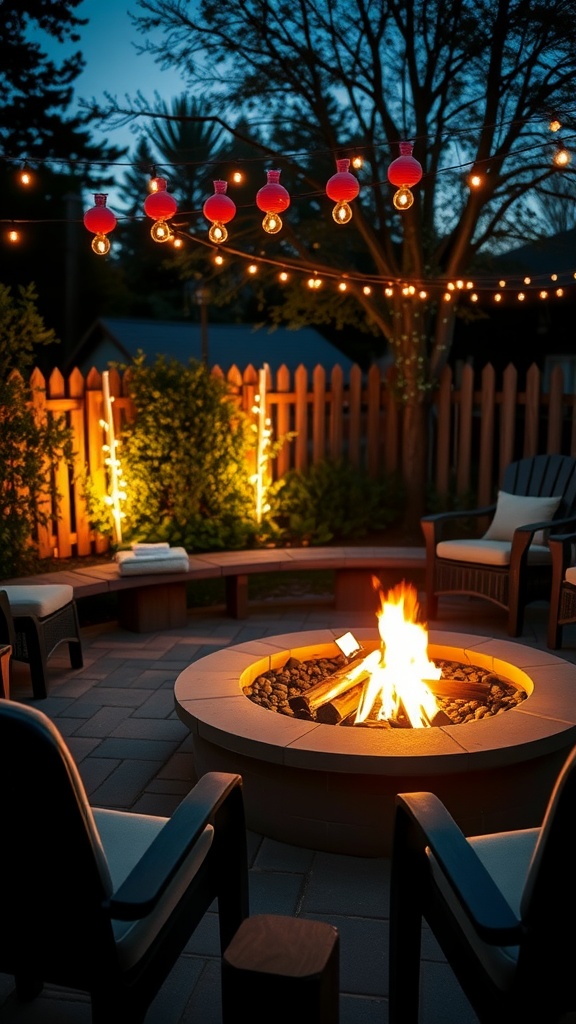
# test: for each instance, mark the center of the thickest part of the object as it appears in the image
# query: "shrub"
(185, 460)
(332, 501)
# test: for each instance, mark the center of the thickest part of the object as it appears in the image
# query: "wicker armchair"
(511, 563)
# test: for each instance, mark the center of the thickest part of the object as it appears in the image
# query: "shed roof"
(118, 339)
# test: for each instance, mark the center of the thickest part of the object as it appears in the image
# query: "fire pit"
(333, 789)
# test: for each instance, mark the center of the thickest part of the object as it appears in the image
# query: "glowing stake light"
(264, 435)
(101, 221)
(115, 492)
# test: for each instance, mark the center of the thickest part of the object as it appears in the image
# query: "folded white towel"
(143, 549)
(174, 560)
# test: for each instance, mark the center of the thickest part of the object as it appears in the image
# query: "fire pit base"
(332, 789)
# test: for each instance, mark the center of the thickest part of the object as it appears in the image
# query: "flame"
(397, 677)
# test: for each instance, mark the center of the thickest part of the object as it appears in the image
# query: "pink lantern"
(404, 172)
(100, 220)
(342, 187)
(220, 209)
(160, 206)
(272, 199)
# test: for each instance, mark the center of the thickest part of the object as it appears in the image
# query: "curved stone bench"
(151, 602)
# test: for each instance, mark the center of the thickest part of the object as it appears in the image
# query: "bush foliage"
(185, 460)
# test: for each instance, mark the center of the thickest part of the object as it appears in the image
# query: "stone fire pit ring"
(332, 788)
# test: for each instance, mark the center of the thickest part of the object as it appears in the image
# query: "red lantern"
(272, 199)
(404, 172)
(100, 220)
(220, 209)
(160, 206)
(342, 187)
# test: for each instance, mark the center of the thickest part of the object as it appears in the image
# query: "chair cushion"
(570, 575)
(488, 552)
(40, 600)
(506, 856)
(513, 510)
(131, 563)
(125, 838)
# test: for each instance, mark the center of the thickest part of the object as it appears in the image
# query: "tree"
(37, 135)
(473, 83)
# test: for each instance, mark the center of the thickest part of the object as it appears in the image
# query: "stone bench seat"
(151, 602)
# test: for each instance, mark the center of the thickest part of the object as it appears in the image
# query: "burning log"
(337, 710)
(459, 689)
(334, 685)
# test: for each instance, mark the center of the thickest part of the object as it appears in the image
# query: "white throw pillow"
(513, 510)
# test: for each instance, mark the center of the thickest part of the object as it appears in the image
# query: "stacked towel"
(152, 558)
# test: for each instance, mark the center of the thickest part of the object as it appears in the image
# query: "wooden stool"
(282, 969)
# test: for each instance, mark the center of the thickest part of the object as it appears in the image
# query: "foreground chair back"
(501, 907)
(510, 564)
(104, 901)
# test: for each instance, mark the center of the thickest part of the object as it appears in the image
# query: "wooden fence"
(475, 430)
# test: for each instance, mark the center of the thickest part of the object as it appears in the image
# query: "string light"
(160, 206)
(272, 199)
(404, 171)
(475, 180)
(562, 157)
(219, 209)
(342, 188)
(25, 177)
(101, 221)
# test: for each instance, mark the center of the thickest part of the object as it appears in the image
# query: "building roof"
(118, 340)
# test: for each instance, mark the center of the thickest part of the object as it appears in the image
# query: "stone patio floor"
(117, 715)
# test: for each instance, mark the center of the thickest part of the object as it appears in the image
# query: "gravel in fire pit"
(273, 689)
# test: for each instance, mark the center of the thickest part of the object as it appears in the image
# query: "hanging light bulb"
(562, 156)
(220, 209)
(405, 172)
(25, 177)
(342, 188)
(272, 199)
(100, 220)
(160, 206)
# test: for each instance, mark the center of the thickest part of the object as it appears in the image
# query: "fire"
(398, 675)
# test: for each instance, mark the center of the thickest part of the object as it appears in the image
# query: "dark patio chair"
(43, 617)
(104, 901)
(510, 564)
(500, 906)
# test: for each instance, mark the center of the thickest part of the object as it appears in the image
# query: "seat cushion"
(41, 599)
(514, 510)
(488, 552)
(506, 856)
(125, 838)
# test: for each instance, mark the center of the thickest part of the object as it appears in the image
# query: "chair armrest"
(422, 821)
(523, 535)
(151, 876)
(433, 525)
(562, 550)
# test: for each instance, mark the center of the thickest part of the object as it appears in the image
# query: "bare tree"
(473, 83)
